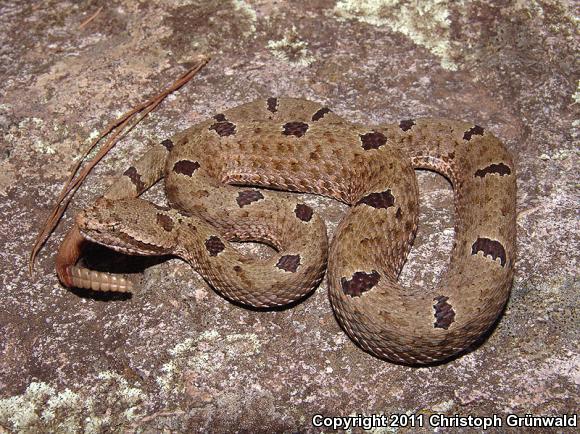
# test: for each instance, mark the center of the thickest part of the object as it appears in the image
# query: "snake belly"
(211, 173)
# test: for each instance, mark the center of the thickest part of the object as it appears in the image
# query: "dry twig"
(91, 18)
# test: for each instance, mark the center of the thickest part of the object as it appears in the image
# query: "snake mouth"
(86, 278)
(101, 241)
(75, 276)
(109, 249)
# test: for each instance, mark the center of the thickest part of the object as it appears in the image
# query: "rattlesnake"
(211, 171)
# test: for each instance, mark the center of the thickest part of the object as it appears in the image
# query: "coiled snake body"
(297, 145)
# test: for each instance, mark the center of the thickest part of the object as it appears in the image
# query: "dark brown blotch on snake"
(185, 167)
(297, 129)
(406, 124)
(289, 263)
(475, 131)
(167, 144)
(272, 104)
(373, 140)
(444, 313)
(223, 127)
(359, 282)
(320, 114)
(246, 197)
(135, 178)
(489, 247)
(303, 212)
(165, 222)
(214, 245)
(498, 169)
(384, 200)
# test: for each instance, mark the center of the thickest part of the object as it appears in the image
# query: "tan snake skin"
(297, 145)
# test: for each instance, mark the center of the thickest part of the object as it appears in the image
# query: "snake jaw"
(84, 278)
(113, 245)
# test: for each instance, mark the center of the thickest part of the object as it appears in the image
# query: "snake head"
(131, 226)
